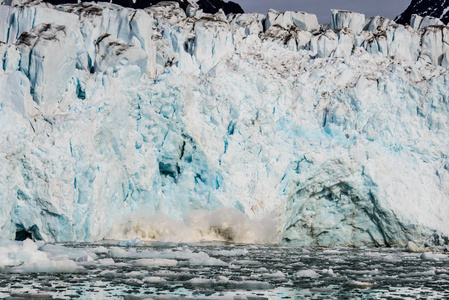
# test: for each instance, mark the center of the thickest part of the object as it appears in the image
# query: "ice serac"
(346, 19)
(48, 58)
(300, 20)
(172, 125)
(418, 22)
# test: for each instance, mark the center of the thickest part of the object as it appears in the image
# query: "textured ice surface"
(121, 123)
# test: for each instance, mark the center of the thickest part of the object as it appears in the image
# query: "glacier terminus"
(178, 125)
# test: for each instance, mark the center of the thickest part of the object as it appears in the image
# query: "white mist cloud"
(224, 224)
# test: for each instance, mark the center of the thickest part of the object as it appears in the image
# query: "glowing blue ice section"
(116, 122)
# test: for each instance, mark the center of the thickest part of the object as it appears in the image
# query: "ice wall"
(339, 136)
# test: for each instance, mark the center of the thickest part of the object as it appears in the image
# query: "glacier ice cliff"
(114, 121)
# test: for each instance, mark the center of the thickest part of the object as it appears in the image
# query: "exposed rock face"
(208, 6)
(430, 8)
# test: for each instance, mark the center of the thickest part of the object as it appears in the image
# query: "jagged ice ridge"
(114, 121)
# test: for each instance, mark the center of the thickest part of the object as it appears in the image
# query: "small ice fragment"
(237, 252)
(99, 249)
(135, 274)
(432, 256)
(412, 247)
(329, 272)
(49, 266)
(275, 275)
(122, 253)
(132, 243)
(262, 270)
(245, 262)
(154, 279)
(163, 244)
(156, 262)
(358, 284)
(202, 259)
(86, 258)
(307, 274)
(106, 261)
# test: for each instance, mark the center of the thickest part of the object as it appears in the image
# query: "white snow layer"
(112, 117)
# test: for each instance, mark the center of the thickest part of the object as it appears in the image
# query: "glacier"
(167, 124)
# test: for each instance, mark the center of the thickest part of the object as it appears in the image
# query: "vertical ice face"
(338, 136)
(346, 19)
(48, 58)
(300, 20)
(434, 43)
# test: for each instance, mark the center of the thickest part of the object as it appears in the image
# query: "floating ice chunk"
(108, 273)
(106, 261)
(251, 285)
(202, 259)
(85, 259)
(236, 252)
(135, 274)
(245, 262)
(433, 256)
(154, 279)
(275, 275)
(262, 270)
(246, 284)
(155, 262)
(49, 266)
(132, 243)
(329, 272)
(307, 274)
(71, 253)
(430, 272)
(116, 252)
(412, 247)
(97, 250)
(16, 253)
(359, 284)
(201, 281)
(163, 244)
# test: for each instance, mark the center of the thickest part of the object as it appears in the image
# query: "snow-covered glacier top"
(180, 125)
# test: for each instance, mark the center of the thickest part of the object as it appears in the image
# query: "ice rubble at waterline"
(112, 117)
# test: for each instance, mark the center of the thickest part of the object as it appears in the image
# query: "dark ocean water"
(239, 272)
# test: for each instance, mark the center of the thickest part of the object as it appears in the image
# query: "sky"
(322, 8)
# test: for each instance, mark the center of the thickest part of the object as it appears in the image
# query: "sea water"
(223, 271)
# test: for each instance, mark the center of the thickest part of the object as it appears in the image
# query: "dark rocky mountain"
(433, 8)
(208, 6)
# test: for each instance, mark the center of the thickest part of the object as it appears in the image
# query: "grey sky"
(385, 8)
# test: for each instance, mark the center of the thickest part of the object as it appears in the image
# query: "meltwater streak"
(220, 225)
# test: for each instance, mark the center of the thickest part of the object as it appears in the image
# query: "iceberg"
(162, 124)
